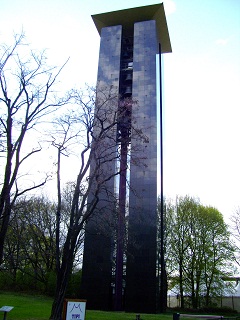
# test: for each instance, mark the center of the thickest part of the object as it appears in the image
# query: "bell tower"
(121, 274)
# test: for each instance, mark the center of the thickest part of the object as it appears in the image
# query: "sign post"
(6, 309)
(74, 309)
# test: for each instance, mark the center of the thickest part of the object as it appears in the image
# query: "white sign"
(75, 310)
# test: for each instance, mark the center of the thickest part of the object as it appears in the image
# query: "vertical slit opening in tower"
(123, 147)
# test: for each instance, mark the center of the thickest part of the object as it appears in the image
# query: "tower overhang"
(128, 17)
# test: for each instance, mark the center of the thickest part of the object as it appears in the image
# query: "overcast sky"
(201, 81)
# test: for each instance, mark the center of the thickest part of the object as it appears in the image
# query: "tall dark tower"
(115, 275)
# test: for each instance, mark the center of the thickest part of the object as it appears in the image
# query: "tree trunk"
(198, 279)
(208, 296)
(193, 296)
(181, 285)
(57, 306)
(63, 276)
(5, 221)
(163, 291)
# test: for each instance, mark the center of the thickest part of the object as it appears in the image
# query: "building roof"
(128, 17)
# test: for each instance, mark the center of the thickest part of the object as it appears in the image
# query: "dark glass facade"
(121, 273)
(99, 237)
(141, 262)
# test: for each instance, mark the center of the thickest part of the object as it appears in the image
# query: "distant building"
(123, 275)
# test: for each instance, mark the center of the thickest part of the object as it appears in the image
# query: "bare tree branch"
(26, 98)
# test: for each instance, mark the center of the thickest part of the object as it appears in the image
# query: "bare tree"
(26, 97)
(97, 118)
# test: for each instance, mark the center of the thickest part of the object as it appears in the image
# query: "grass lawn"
(100, 315)
(34, 307)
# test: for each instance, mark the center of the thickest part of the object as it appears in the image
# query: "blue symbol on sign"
(76, 307)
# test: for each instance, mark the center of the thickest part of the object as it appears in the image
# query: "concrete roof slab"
(128, 17)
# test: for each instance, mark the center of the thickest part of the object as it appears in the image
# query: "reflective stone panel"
(141, 261)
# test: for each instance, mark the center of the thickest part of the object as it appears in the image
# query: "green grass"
(26, 307)
(100, 315)
(35, 307)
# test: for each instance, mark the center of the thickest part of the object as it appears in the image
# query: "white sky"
(201, 81)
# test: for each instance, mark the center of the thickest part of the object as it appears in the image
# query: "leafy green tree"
(180, 238)
(201, 250)
(235, 227)
(217, 252)
(30, 245)
(162, 275)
